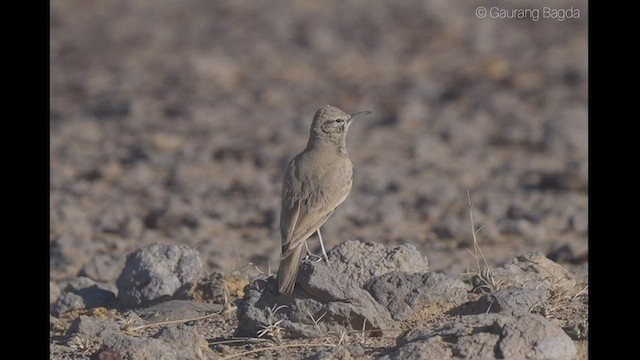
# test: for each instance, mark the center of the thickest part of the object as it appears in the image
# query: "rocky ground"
(172, 121)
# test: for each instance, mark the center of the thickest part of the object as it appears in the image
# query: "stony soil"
(171, 123)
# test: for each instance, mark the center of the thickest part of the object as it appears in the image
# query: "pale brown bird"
(315, 182)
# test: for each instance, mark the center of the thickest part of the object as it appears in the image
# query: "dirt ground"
(172, 122)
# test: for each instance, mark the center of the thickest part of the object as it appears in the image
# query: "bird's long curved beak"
(358, 115)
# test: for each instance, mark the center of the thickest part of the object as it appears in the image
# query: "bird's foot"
(313, 257)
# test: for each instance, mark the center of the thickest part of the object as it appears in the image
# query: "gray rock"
(345, 306)
(534, 337)
(323, 301)
(345, 300)
(433, 348)
(57, 326)
(520, 287)
(532, 270)
(514, 300)
(103, 267)
(481, 345)
(491, 336)
(93, 327)
(340, 352)
(83, 293)
(155, 272)
(122, 346)
(217, 288)
(67, 302)
(178, 310)
(186, 340)
(403, 294)
(171, 342)
(108, 354)
(362, 261)
(329, 297)
(83, 282)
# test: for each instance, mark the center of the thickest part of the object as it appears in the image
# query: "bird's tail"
(288, 271)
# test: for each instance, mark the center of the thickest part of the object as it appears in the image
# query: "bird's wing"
(306, 204)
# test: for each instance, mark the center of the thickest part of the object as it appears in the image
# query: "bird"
(316, 182)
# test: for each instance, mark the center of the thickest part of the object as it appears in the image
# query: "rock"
(186, 340)
(340, 352)
(155, 272)
(83, 293)
(520, 287)
(532, 336)
(67, 302)
(345, 300)
(93, 327)
(57, 326)
(362, 261)
(178, 310)
(324, 301)
(103, 267)
(122, 346)
(329, 297)
(171, 342)
(108, 354)
(218, 288)
(489, 336)
(403, 294)
(532, 270)
(514, 300)
(433, 348)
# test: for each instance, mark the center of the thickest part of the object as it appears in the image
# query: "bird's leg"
(310, 254)
(324, 253)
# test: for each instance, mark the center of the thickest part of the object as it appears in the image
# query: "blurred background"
(172, 122)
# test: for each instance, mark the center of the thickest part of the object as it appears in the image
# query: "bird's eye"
(339, 121)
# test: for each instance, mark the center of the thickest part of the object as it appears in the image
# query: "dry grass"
(482, 278)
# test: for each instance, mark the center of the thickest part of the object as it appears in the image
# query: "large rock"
(174, 310)
(433, 348)
(403, 294)
(363, 261)
(83, 293)
(217, 287)
(340, 352)
(179, 342)
(513, 300)
(532, 270)
(154, 273)
(487, 336)
(89, 326)
(328, 297)
(325, 301)
(103, 267)
(518, 288)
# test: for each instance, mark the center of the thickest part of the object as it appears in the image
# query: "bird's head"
(332, 123)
